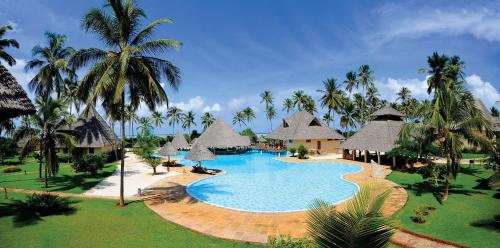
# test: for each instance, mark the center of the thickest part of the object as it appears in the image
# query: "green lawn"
(65, 181)
(467, 217)
(473, 155)
(97, 223)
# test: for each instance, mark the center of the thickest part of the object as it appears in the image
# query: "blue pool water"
(257, 182)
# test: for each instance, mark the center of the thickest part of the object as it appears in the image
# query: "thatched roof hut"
(168, 150)
(13, 99)
(199, 153)
(92, 130)
(303, 126)
(221, 135)
(495, 121)
(180, 141)
(380, 134)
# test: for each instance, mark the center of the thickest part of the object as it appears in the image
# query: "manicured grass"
(65, 181)
(467, 217)
(473, 155)
(97, 223)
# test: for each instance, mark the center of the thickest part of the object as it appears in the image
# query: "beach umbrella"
(180, 141)
(199, 153)
(168, 150)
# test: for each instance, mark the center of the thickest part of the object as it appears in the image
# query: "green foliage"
(90, 163)
(285, 241)
(47, 204)
(194, 134)
(248, 132)
(360, 224)
(64, 157)
(153, 162)
(146, 143)
(301, 152)
(11, 169)
(420, 213)
(433, 171)
(8, 148)
(292, 150)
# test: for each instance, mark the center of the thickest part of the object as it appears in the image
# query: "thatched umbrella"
(13, 99)
(199, 153)
(168, 150)
(180, 141)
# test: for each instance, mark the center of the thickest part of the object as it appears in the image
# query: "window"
(91, 150)
(285, 124)
(308, 141)
(330, 139)
(314, 122)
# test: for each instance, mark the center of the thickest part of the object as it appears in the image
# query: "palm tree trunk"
(447, 182)
(46, 169)
(122, 164)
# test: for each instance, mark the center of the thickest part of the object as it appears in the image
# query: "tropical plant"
(285, 241)
(248, 114)
(174, 116)
(52, 64)
(239, 118)
(207, 119)
(144, 123)
(70, 93)
(157, 119)
(360, 223)
(248, 132)
(270, 115)
(5, 43)
(129, 70)
(7, 126)
(47, 131)
(348, 116)
(298, 99)
(8, 148)
(351, 82)
(45, 204)
(327, 118)
(404, 94)
(188, 120)
(287, 105)
(90, 163)
(267, 98)
(437, 66)
(130, 116)
(332, 97)
(494, 112)
(292, 150)
(301, 152)
(309, 104)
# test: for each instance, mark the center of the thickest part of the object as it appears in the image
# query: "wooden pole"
(378, 157)
(366, 156)
(394, 162)
(5, 193)
(353, 155)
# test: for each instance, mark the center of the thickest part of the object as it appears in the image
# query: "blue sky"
(234, 50)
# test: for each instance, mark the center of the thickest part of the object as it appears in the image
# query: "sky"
(234, 50)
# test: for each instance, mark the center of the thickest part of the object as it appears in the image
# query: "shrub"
(47, 204)
(8, 148)
(285, 241)
(153, 162)
(11, 169)
(292, 150)
(420, 213)
(90, 163)
(63, 158)
(248, 132)
(302, 152)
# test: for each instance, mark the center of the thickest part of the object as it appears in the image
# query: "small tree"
(153, 162)
(302, 152)
(7, 148)
(90, 163)
(292, 150)
(248, 132)
(435, 171)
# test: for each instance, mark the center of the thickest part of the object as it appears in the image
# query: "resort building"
(180, 142)
(302, 128)
(495, 121)
(221, 137)
(379, 135)
(13, 99)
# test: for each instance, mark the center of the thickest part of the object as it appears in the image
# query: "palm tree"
(70, 93)
(239, 118)
(270, 114)
(437, 64)
(4, 43)
(348, 116)
(46, 132)
(494, 111)
(144, 124)
(298, 99)
(365, 76)
(287, 105)
(360, 224)
(404, 95)
(309, 104)
(351, 82)
(333, 97)
(52, 63)
(130, 116)
(360, 110)
(129, 70)
(267, 98)
(207, 119)
(327, 118)
(174, 116)
(157, 119)
(248, 114)
(372, 99)
(188, 120)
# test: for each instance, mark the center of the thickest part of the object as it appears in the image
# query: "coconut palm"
(348, 116)
(239, 118)
(129, 70)
(365, 76)
(298, 99)
(287, 105)
(372, 99)
(248, 114)
(332, 98)
(70, 93)
(267, 98)
(360, 224)
(270, 115)
(188, 120)
(52, 63)
(437, 64)
(207, 119)
(174, 116)
(157, 119)
(5, 43)
(351, 82)
(309, 104)
(49, 121)
(130, 116)
(144, 123)
(404, 95)
(327, 118)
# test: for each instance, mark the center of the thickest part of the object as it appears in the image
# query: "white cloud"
(214, 108)
(196, 103)
(236, 103)
(483, 90)
(390, 87)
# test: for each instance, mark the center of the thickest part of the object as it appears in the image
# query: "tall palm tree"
(188, 120)
(49, 121)
(404, 94)
(267, 98)
(360, 224)
(437, 64)
(70, 94)
(130, 116)
(239, 118)
(327, 118)
(365, 76)
(270, 115)
(5, 43)
(298, 99)
(348, 116)
(248, 114)
(332, 98)
(351, 82)
(287, 105)
(360, 110)
(174, 116)
(309, 104)
(144, 124)
(207, 119)
(52, 63)
(157, 119)
(372, 99)
(129, 70)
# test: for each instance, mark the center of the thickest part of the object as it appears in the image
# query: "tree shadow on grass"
(428, 187)
(23, 215)
(80, 180)
(490, 224)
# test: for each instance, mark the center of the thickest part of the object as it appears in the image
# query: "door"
(319, 144)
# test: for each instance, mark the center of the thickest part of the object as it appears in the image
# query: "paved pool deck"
(169, 199)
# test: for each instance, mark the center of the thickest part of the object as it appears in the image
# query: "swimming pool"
(258, 183)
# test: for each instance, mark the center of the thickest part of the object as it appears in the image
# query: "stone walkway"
(168, 198)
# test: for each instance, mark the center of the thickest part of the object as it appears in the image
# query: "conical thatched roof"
(380, 134)
(180, 141)
(387, 111)
(495, 121)
(13, 99)
(199, 153)
(194, 141)
(168, 150)
(92, 130)
(303, 125)
(221, 135)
